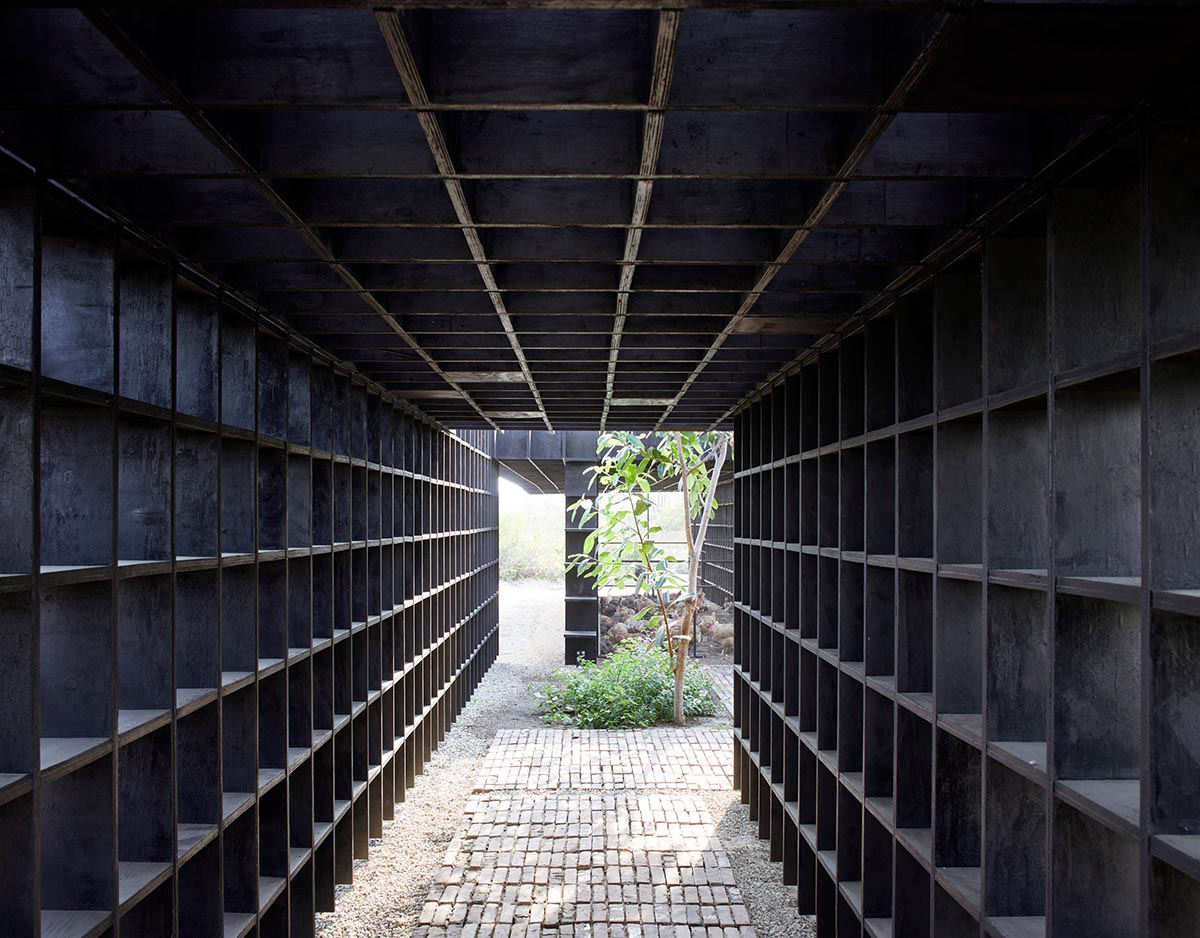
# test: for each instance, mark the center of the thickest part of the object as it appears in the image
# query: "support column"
(581, 620)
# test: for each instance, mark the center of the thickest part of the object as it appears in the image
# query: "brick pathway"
(723, 687)
(659, 758)
(551, 846)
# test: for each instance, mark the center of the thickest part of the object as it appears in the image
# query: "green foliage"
(627, 551)
(633, 686)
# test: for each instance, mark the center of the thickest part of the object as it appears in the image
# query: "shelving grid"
(242, 596)
(581, 612)
(968, 595)
(716, 563)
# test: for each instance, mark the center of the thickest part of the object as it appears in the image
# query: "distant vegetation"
(531, 538)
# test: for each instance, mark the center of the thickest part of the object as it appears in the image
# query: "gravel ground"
(390, 888)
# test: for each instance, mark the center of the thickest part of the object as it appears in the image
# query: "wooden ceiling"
(571, 214)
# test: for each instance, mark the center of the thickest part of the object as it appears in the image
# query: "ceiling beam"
(414, 85)
(1091, 145)
(148, 68)
(666, 41)
(928, 53)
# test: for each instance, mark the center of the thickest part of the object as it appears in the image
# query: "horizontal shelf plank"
(1028, 758)
(136, 879)
(963, 883)
(1016, 926)
(1114, 803)
(74, 923)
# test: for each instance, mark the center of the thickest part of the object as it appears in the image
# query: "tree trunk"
(681, 653)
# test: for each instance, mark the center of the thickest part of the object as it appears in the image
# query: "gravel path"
(389, 890)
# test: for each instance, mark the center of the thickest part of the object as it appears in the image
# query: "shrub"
(634, 686)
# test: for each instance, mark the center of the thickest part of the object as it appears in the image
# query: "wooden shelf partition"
(979, 523)
(243, 595)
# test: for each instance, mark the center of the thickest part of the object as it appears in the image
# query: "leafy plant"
(634, 686)
(625, 551)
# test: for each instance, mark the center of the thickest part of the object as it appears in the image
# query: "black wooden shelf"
(962, 691)
(233, 549)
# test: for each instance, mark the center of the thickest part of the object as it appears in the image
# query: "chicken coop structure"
(278, 283)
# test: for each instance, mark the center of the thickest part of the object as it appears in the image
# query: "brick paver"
(660, 758)
(723, 687)
(591, 834)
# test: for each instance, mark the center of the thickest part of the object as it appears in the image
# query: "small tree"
(627, 549)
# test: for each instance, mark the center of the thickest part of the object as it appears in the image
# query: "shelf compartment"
(145, 826)
(240, 867)
(877, 869)
(850, 500)
(77, 485)
(914, 355)
(1015, 845)
(914, 470)
(197, 459)
(1174, 901)
(879, 651)
(18, 896)
(914, 771)
(144, 665)
(958, 800)
(274, 388)
(911, 896)
(76, 662)
(196, 331)
(1017, 287)
(144, 490)
(881, 497)
(1018, 476)
(951, 919)
(238, 486)
(239, 651)
(272, 612)
(960, 492)
(197, 652)
(239, 742)
(77, 839)
(1094, 878)
(958, 308)
(1017, 650)
(1097, 675)
(237, 371)
(853, 386)
(18, 207)
(77, 286)
(850, 611)
(829, 501)
(19, 749)
(272, 498)
(914, 625)
(1175, 693)
(299, 604)
(299, 501)
(1174, 431)
(828, 400)
(200, 894)
(1098, 490)
(879, 745)
(299, 403)
(1096, 258)
(153, 913)
(881, 373)
(959, 646)
(16, 468)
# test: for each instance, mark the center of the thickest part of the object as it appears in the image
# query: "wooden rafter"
(414, 85)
